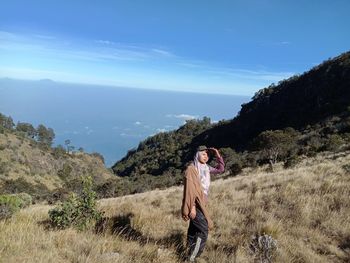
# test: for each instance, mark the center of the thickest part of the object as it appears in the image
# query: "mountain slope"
(303, 100)
(27, 166)
(317, 103)
(304, 209)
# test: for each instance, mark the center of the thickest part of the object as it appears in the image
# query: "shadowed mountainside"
(313, 107)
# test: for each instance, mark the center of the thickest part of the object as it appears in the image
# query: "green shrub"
(78, 210)
(26, 199)
(4, 168)
(65, 172)
(233, 160)
(6, 211)
(38, 191)
(98, 156)
(58, 152)
(333, 142)
(10, 204)
(64, 215)
(59, 194)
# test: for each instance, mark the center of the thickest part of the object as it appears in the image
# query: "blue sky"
(227, 47)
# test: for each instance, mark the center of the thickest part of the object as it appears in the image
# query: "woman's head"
(202, 156)
(200, 162)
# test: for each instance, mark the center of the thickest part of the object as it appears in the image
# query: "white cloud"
(161, 130)
(237, 74)
(123, 134)
(137, 123)
(57, 47)
(105, 42)
(183, 116)
(162, 52)
(251, 74)
(276, 43)
(45, 36)
(88, 131)
(169, 126)
(71, 132)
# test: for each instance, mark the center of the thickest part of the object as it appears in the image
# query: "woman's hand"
(217, 154)
(193, 213)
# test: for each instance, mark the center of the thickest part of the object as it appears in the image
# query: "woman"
(195, 198)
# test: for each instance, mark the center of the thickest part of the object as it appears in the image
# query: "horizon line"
(122, 87)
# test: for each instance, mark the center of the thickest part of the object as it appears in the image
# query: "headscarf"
(204, 173)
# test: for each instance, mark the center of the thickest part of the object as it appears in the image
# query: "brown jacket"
(193, 194)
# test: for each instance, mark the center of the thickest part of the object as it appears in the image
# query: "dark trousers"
(197, 235)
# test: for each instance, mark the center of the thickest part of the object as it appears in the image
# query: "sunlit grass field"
(306, 209)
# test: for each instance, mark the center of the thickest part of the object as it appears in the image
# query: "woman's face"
(203, 156)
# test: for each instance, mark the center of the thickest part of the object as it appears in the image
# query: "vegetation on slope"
(29, 163)
(300, 116)
(305, 209)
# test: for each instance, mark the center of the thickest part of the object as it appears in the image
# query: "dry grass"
(306, 209)
(21, 159)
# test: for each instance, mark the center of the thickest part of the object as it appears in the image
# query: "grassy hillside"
(305, 209)
(27, 166)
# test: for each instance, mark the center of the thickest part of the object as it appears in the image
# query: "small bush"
(26, 199)
(78, 211)
(65, 172)
(233, 160)
(333, 142)
(59, 152)
(37, 191)
(6, 211)
(263, 247)
(10, 204)
(346, 168)
(99, 156)
(291, 161)
(64, 215)
(59, 194)
(4, 168)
